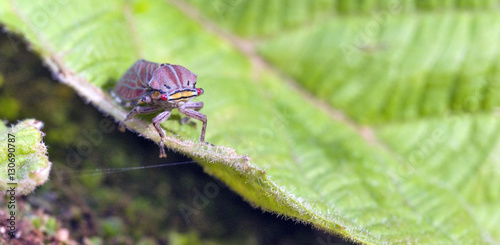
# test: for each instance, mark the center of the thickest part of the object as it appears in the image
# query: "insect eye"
(199, 91)
(146, 99)
(164, 97)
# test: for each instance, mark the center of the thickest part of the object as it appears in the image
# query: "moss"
(112, 227)
(34, 227)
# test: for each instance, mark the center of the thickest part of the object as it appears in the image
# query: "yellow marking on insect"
(156, 95)
(183, 95)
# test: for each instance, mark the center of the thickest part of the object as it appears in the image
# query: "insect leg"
(135, 111)
(156, 122)
(196, 115)
(191, 105)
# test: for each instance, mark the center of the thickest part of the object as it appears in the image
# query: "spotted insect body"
(152, 87)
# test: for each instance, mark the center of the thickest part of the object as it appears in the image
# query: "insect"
(152, 87)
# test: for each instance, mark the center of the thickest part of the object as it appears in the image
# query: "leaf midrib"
(139, 53)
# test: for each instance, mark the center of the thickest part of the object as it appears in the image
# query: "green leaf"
(23, 160)
(373, 120)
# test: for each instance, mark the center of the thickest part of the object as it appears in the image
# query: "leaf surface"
(372, 120)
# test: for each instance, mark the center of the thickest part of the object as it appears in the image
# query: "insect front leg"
(196, 115)
(156, 122)
(135, 111)
(191, 105)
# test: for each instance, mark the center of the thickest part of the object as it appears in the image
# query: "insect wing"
(134, 83)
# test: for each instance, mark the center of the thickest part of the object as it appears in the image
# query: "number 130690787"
(11, 155)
